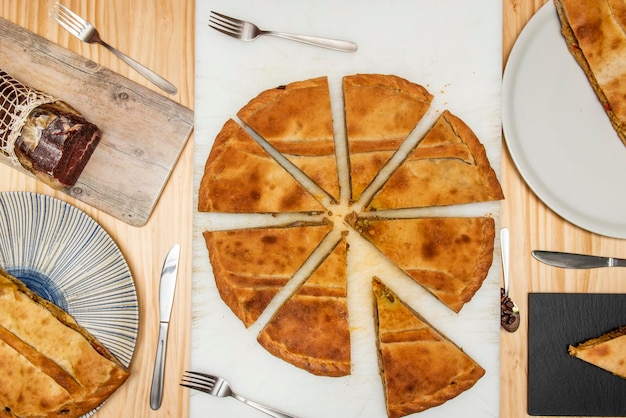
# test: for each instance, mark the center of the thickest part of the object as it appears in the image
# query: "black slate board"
(559, 384)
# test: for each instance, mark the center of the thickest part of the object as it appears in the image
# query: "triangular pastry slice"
(595, 34)
(420, 367)
(450, 257)
(448, 167)
(240, 177)
(49, 364)
(296, 119)
(380, 111)
(607, 351)
(319, 306)
(250, 266)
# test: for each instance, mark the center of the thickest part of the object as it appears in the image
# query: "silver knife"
(577, 261)
(166, 300)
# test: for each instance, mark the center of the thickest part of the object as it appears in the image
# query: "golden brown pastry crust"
(607, 351)
(380, 110)
(54, 366)
(239, 176)
(420, 367)
(319, 306)
(449, 166)
(296, 119)
(595, 34)
(450, 257)
(250, 266)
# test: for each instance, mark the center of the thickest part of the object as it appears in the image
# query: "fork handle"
(162, 83)
(335, 44)
(267, 409)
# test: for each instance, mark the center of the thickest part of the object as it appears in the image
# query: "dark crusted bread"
(52, 140)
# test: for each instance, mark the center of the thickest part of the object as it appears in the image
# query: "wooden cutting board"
(143, 132)
(559, 384)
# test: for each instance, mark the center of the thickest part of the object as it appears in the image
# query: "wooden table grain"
(160, 34)
(534, 226)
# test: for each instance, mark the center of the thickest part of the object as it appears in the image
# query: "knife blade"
(576, 261)
(167, 289)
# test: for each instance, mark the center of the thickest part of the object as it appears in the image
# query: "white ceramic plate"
(558, 134)
(66, 257)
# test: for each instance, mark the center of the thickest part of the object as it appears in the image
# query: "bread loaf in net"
(43, 134)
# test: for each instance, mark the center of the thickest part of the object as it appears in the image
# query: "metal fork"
(247, 31)
(217, 386)
(86, 32)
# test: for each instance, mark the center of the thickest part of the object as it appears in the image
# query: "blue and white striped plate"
(66, 257)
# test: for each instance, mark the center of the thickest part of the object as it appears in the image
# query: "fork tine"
(69, 25)
(198, 381)
(76, 17)
(202, 376)
(227, 18)
(200, 388)
(73, 30)
(225, 24)
(197, 377)
(225, 32)
(188, 380)
(64, 20)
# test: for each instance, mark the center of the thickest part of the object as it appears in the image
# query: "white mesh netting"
(16, 103)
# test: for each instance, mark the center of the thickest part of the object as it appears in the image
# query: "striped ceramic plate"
(66, 257)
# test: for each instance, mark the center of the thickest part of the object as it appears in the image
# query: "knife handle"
(156, 390)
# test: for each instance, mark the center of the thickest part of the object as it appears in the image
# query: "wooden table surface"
(160, 34)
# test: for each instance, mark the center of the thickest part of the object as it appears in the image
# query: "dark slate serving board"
(559, 384)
